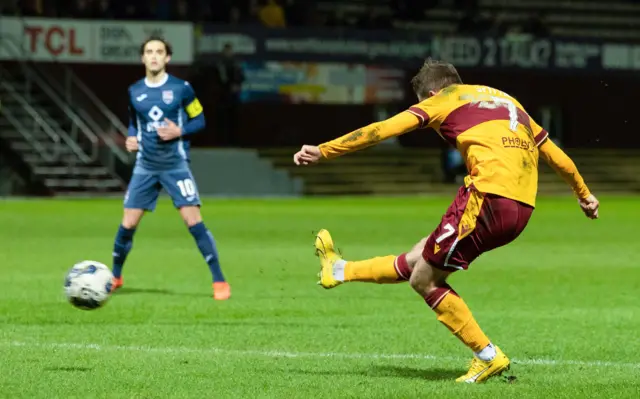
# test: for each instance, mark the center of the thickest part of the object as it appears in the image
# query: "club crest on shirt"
(167, 96)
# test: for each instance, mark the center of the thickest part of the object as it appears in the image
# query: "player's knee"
(130, 223)
(420, 284)
(132, 218)
(423, 279)
(191, 215)
(191, 221)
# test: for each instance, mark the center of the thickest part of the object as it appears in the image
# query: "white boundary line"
(288, 354)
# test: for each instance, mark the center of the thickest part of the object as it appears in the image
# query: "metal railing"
(68, 92)
(88, 106)
(89, 109)
(77, 125)
(72, 88)
(75, 88)
(26, 101)
(38, 124)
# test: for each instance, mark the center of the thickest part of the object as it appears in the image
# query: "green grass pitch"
(562, 302)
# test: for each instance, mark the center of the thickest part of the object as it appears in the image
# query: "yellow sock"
(381, 270)
(456, 316)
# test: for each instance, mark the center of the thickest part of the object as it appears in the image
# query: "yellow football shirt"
(495, 135)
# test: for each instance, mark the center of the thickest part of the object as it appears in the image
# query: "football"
(88, 285)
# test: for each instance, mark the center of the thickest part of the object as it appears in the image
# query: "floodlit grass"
(562, 302)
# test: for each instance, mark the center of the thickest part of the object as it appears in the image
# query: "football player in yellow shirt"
(501, 145)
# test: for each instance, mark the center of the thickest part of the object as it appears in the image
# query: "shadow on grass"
(154, 291)
(69, 369)
(432, 374)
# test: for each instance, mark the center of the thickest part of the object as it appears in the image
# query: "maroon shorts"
(475, 223)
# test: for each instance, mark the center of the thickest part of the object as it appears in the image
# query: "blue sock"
(121, 248)
(207, 246)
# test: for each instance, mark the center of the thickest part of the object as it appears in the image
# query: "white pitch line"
(288, 354)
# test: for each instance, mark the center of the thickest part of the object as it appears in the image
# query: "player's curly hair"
(167, 45)
(434, 76)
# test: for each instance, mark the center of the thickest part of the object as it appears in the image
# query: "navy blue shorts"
(145, 186)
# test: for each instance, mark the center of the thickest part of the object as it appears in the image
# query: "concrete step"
(357, 170)
(54, 149)
(380, 189)
(65, 159)
(414, 171)
(33, 98)
(79, 183)
(367, 179)
(12, 134)
(111, 193)
(26, 146)
(75, 171)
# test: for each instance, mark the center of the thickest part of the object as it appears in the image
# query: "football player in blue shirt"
(164, 113)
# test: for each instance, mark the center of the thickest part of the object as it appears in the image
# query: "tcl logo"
(54, 39)
(86, 41)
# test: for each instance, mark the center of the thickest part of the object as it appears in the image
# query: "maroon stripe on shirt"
(423, 116)
(471, 115)
(541, 137)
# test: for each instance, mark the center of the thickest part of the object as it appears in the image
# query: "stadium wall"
(240, 173)
(596, 110)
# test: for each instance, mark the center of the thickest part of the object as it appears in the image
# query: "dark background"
(597, 111)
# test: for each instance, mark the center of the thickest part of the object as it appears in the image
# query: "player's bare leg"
(430, 283)
(191, 215)
(123, 242)
(382, 270)
(132, 217)
(204, 239)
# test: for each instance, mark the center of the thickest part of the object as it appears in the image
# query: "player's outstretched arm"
(358, 139)
(566, 168)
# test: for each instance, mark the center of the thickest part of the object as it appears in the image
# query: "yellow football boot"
(480, 371)
(328, 257)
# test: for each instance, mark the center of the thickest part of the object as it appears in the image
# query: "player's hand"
(169, 132)
(590, 206)
(131, 144)
(308, 154)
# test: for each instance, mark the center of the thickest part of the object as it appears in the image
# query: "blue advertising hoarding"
(321, 83)
(411, 48)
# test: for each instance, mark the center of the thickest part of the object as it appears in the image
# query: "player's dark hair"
(167, 45)
(434, 76)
